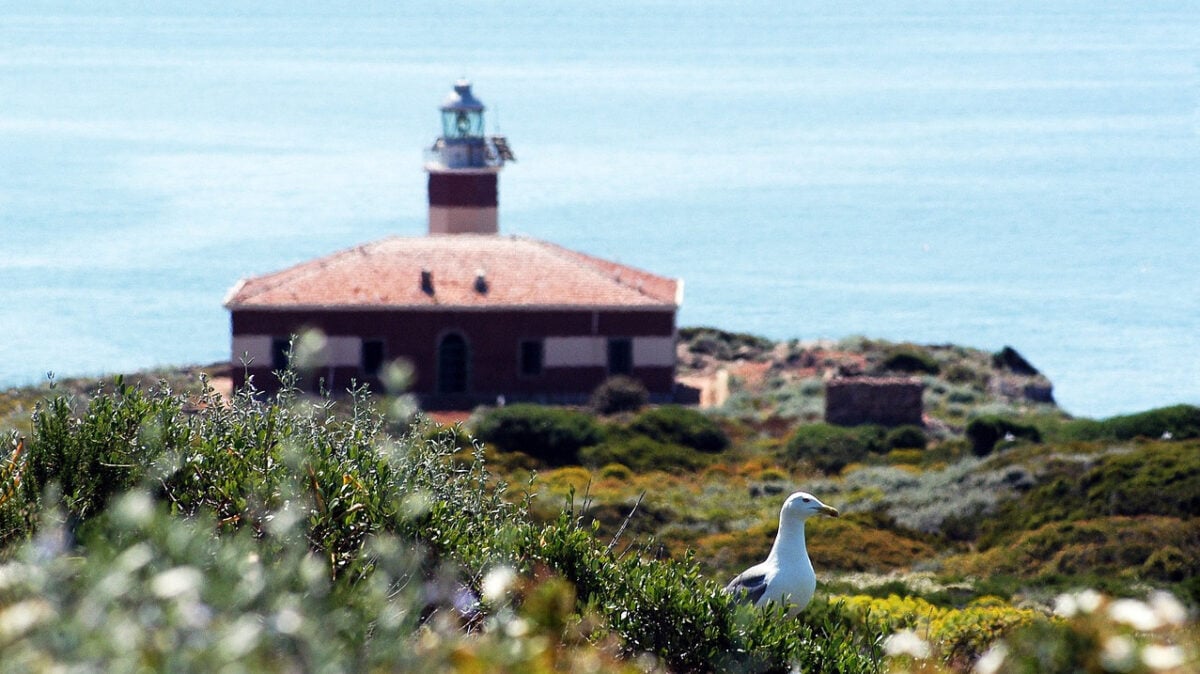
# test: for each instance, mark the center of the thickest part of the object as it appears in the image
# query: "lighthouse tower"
(463, 167)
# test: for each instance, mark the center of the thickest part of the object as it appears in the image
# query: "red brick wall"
(494, 338)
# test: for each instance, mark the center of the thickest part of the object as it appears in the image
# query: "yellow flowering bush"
(957, 635)
(1088, 632)
(962, 635)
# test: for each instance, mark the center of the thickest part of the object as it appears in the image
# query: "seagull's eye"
(808, 500)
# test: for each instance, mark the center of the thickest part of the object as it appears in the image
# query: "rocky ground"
(746, 373)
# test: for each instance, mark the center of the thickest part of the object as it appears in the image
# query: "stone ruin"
(889, 401)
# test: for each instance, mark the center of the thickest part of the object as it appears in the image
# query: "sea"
(982, 173)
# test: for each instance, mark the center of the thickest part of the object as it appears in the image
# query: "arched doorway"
(452, 364)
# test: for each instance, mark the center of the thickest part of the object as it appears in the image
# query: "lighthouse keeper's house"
(476, 314)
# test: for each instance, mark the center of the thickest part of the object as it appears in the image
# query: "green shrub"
(723, 345)
(910, 360)
(1162, 548)
(906, 437)
(642, 454)
(831, 448)
(241, 461)
(1160, 478)
(1170, 564)
(962, 396)
(101, 449)
(678, 425)
(1178, 422)
(551, 434)
(985, 432)
(619, 394)
(961, 373)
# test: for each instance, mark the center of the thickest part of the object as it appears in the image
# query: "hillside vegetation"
(154, 524)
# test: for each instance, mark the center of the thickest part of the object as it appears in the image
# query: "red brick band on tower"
(463, 189)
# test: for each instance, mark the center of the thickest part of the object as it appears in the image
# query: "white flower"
(496, 583)
(516, 628)
(308, 351)
(135, 508)
(1089, 600)
(1118, 653)
(134, 558)
(1065, 605)
(195, 614)
(1167, 608)
(906, 642)
(990, 662)
(1162, 657)
(289, 621)
(1134, 613)
(13, 574)
(177, 581)
(240, 638)
(23, 616)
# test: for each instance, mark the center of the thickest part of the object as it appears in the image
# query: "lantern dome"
(462, 99)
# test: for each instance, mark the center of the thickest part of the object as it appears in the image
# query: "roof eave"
(228, 302)
(450, 307)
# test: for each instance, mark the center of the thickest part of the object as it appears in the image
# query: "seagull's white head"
(803, 505)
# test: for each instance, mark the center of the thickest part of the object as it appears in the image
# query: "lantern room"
(462, 114)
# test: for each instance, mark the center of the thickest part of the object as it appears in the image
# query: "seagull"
(787, 575)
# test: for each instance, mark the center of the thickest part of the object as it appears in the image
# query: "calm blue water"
(983, 173)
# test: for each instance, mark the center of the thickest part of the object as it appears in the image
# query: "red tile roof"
(517, 272)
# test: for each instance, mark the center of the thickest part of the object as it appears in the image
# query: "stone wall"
(890, 401)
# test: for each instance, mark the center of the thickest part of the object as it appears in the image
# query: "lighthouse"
(464, 167)
(475, 315)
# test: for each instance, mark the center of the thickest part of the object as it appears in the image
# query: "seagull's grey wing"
(748, 587)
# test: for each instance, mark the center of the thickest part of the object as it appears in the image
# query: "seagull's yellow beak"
(828, 510)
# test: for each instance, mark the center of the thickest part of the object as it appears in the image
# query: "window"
(532, 352)
(452, 364)
(372, 357)
(280, 348)
(620, 356)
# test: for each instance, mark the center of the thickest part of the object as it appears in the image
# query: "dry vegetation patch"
(850, 545)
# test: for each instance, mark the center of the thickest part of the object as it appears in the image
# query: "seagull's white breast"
(793, 583)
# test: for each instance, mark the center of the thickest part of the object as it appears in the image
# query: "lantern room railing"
(486, 153)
